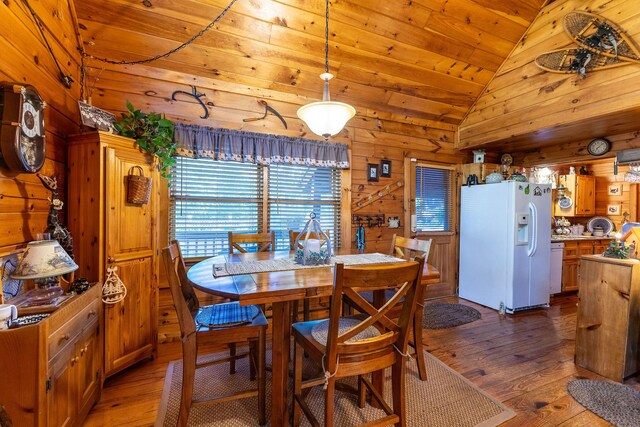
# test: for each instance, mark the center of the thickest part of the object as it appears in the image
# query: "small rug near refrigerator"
(445, 399)
(443, 315)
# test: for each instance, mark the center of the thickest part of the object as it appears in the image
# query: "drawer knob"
(65, 337)
(91, 313)
(111, 260)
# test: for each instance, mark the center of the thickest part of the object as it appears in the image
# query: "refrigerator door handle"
(533, 222)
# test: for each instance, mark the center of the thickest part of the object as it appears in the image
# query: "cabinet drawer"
(67, 332)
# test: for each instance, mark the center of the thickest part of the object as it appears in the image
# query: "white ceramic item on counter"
(8, 313)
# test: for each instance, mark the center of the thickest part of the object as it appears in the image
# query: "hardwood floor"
(524, 360)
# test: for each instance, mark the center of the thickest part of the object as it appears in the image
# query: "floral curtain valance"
(223, 144)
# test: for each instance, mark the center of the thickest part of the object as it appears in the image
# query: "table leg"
(281, 341)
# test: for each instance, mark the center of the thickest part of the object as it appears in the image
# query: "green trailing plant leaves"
(153, 133)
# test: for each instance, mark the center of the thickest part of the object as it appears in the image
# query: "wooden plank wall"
(24, 206)
(563, 105)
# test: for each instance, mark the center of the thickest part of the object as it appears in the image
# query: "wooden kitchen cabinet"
(608, 323)
(52, 370)
(573, 251)
(582, 190)
(109, 232)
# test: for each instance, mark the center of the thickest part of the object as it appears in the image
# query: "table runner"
(283, 264)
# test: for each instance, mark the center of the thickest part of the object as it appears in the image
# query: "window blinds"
(295, 192)
(209, 198)
(433, 198)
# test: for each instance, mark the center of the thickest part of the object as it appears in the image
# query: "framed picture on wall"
(373, 172)
(613, 209)
(385, 168)
(614, 189)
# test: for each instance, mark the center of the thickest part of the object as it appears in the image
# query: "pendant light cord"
(326, 39)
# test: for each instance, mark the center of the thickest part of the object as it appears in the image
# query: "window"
(210, 198)
(433, 198)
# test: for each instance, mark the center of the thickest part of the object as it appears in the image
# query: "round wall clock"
(599, 146)
(22, 139)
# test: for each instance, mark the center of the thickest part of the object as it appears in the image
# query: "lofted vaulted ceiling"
(419, 62)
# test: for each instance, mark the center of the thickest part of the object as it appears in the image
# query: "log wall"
(24, 205)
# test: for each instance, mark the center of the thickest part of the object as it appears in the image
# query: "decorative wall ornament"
(267, 109)
(54, 226)
(194, 94)
(602, 45)
(97, 118)
(113, 290)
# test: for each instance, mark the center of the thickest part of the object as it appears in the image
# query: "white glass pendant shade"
(326, 118)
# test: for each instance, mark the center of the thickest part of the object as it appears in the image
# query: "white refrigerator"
(505, 245)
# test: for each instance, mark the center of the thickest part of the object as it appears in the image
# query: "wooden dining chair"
(359, 345)
(293, 235)
(266, 242)
(232, 326)
(406, 248)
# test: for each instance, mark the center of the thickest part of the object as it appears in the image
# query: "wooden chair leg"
(189, 356)
(398, 373)
(262, 377)
(232, 363)
(417, 343)
(362, 393)
(329, 403)
(253, 359)
(298, 352)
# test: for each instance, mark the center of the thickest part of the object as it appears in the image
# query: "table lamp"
(44, 259)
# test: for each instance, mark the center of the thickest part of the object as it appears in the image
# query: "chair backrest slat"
(266, 241)
(348, 281)
(406, 248)
(184, 297)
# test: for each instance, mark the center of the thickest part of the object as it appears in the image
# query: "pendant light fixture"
(326, 118)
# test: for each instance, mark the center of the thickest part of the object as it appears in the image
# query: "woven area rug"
(617, 403)
(446, 399)
(442, 315)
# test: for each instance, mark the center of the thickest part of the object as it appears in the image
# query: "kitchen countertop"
(556, 239)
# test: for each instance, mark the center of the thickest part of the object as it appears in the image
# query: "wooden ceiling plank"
(365, 16)
(485, 19)
(265, 70)
(542, 118)
(279, 43)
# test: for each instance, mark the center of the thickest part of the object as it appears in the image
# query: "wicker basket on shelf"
(138, 187)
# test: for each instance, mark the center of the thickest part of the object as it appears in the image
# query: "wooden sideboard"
(109, 232)
(608, 327)
(52, 370)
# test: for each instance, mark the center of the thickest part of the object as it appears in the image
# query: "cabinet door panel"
(570, 277)
(88, 369)
(61, 397)
(130, 227)
(130, 324)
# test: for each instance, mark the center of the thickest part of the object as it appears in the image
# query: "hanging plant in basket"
(153, 133)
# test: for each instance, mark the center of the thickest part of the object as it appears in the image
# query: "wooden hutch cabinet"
(52, 370)
(109, 232)
(582, 189)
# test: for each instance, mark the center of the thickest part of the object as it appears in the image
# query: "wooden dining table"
(280, 289)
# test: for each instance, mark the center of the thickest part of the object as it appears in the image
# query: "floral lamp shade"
(44, 258)
(310, 246)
